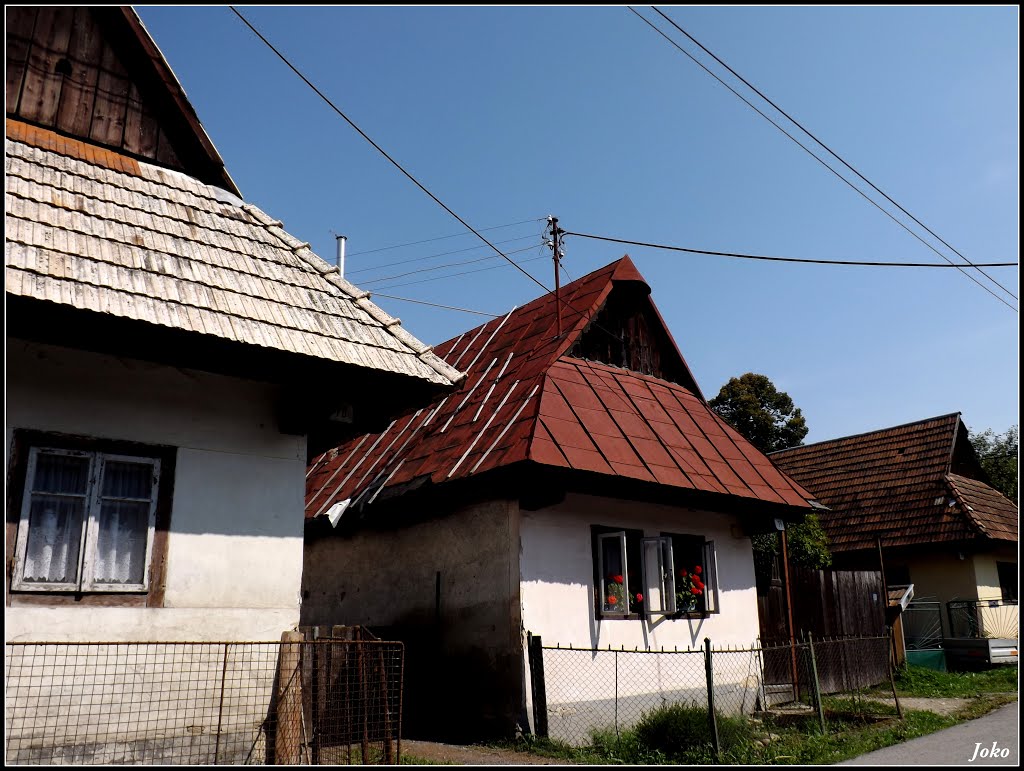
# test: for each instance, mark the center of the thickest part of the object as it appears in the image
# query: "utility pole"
(555, 243)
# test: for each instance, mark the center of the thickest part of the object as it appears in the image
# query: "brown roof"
(992, 512)
(896, 483)
(526, 399)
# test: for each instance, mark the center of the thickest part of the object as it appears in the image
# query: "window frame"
(26, 445)
(635, 543)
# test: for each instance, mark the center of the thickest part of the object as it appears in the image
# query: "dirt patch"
(473, 755)
(942, 706)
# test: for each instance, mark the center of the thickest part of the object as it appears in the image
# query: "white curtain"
(56, 515)
(123, 523)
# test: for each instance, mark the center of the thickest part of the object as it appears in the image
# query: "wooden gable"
(96, 75)
(629, 333)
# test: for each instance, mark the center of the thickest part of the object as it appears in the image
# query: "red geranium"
(612, 599)
(639, 597)
(617, 579)
(698, 570)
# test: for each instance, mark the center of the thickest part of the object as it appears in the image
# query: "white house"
(577, 487)
(174, 356)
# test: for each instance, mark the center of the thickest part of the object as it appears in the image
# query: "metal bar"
(817, 683)
(220, 708)
(712, 718)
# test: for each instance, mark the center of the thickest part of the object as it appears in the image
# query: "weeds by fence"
(294, 701)
(605, 691)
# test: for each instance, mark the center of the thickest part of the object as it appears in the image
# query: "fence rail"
(294, 701)
(579, 692)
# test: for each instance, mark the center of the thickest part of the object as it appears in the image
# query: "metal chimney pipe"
(341, 255)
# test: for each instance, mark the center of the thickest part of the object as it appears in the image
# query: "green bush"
(678, 733)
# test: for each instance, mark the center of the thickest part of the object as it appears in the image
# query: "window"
(667, 575)
(87, 521)
(1007, 580)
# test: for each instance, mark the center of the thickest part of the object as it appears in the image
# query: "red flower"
(612, 600)
(617, 579)
(699, 591)
(697, 570)
(700, 584)
(683, 573)
(695, 590)
(639, 597)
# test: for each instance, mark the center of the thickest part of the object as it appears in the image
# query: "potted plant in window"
(615, 596)
(689, 589)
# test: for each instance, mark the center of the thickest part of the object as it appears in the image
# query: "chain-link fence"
(294, 701)
(583, 693)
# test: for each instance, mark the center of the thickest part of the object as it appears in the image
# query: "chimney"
(341, 255)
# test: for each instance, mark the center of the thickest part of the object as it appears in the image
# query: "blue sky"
(511, 114)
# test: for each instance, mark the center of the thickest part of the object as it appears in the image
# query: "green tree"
(998, 456)
(764, 415)
(770, 421)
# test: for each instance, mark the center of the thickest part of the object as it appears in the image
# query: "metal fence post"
(616, 694)
(892, 683)
(220, 708)
(817, 683)
(712, 720)
(540, 698)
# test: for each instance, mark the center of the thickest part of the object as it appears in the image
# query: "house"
(918, 493)
(576, 487)
(174, 356)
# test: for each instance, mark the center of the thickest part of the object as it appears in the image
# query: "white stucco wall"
(234, 560)
(659, 659)
(556, 568)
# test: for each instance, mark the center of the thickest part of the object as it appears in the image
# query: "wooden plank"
(165, 153)
(43, 82)
(78, 96)
(140, 129)
(111, 105)
(288, 731)
(21, 21)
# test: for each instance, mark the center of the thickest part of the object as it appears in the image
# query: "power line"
(783, 259)
(432, 256)
(381, 150)
(441, 238)
(465, 272)
(819, 160)
(441, 267)
(436, 305)
(832, 152)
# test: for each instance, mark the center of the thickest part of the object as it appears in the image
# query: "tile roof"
(990, 511)
(524, 399)
(896, 483)
(99, 231)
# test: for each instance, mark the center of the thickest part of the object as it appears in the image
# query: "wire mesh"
(323, 701)
(596, 694)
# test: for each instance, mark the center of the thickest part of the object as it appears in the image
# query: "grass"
(679, 734)
(920, 681)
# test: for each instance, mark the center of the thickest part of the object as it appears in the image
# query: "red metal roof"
(524, 399)
(896, 483)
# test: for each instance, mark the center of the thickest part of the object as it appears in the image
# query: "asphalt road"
(955, 746)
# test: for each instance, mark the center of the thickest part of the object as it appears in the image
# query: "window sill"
(681, 615)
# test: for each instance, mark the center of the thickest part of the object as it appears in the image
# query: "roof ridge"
(864, 433)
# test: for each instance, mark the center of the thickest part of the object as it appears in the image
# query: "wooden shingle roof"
(526, 400)
(897, 483)
(99, 231)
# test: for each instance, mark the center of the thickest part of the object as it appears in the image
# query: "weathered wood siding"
(67, 70)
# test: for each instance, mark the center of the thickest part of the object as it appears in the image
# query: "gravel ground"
(473, 755)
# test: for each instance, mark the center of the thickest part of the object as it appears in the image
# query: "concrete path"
(955, 746)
